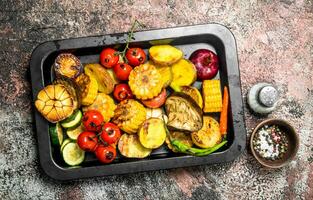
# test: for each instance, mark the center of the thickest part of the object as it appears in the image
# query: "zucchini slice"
(65, 142)
(73, 133)
(72, 154)
(56, 134)
(73, 120)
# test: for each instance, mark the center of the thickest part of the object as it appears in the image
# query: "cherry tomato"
(93, 120)
(122, 91)
(157, 101)
(87, 141)
(135, 56)
(105, 154)
(122, 71)
(110, 133)
(109, 57)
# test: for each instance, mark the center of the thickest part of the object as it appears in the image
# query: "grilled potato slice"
(129, 115)
(130, 147)
(165, 54)
(184, 74)
(209, 135)
(104, 80)
(55, 103)
(104, 104)
(152, 133)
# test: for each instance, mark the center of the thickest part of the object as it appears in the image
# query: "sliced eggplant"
(67, 65)
(183, 113)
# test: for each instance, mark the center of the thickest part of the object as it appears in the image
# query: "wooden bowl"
(293, 144)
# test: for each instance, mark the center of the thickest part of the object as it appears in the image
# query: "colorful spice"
(270, 142)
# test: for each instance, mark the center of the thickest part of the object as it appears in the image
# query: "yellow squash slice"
(104, 104)
(184, 74)
(209, 135)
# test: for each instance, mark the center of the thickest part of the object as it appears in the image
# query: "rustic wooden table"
(275, 44)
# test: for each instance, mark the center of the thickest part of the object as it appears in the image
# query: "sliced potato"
(209, 135)
(130, 147)
(104, 79)
(152, 133)
(184, 74)
(165, 54)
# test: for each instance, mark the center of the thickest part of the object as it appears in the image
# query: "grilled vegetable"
(130, 147)
(129, 115)
(72, 88)
(156, 113)
(209, 135)
(193, 93)
(184, 74)
(88, 88)
(73, 133)
(104, 104)
(72, 121)
(152, 133)
(181, 146)
(145, 81)
(56, 134)
(181, 137)
(155, 102)
(183, 113)
(165, 54)
(67, 65)
(223, 117)
(72, 154)
(113, 76)
(166, 74)
(211, 91)
(104, 80)
(55, 103)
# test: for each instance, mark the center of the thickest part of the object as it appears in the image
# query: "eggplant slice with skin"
(183, 113)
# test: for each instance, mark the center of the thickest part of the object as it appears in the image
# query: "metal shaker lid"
(268, 96)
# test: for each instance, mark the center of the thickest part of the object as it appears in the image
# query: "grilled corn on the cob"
(145, 81)
(129, 115)
(212, 95)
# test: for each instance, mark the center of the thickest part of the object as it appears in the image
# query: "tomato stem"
(130, 37)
